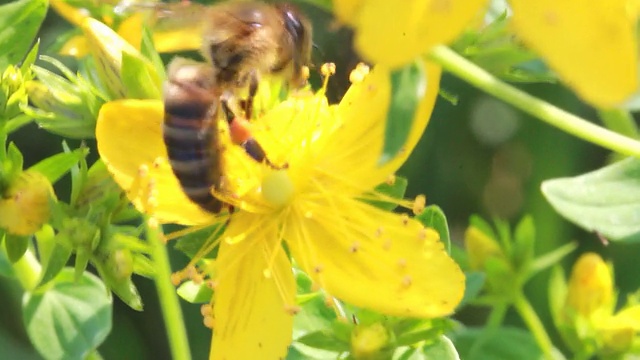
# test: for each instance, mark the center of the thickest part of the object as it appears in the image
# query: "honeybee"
(241, 41)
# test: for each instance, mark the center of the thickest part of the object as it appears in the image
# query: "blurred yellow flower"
(354, 251)
(25, 203)
(395, 33)
(590, 287)
(593, 48)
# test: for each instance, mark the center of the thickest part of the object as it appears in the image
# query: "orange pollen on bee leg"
(240, 130)
(419, 204)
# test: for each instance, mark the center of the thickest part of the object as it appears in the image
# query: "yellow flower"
(593, 48)
(590, 291)
(356, 252)
(393, 33)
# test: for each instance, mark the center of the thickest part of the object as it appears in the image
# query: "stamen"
(358, 74)
(208, 322)
(327, 70)
(206, 310)
(391, 180)
(176, 278)
(419, 204)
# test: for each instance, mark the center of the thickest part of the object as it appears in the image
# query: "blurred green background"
(479, 156)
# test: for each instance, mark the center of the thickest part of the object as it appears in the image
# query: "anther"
(176, 278)
(208, 322)
(419, 204)
(292, 309)
(328, 69)
(391, 179)
(157, 162)
(206, 310)
(358, 74)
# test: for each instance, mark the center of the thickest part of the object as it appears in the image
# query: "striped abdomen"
(190, 132)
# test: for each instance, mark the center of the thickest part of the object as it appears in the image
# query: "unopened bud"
(590, 286)
(480, 247)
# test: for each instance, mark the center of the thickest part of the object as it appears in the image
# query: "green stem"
(169, 302)
(473, 74)
(528, 314)
(619, 121)
(497, 315)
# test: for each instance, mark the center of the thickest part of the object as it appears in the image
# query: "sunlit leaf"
(54, 167)
(70, 319)
(19, 24)
(606, 200)
(434, 217)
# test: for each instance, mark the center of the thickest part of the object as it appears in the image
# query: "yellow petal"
(76, 46)
(394, 34)
(593, 48)
(70, 13)
(253, 319)
(346, 10)
(131, 30)
(357, 145)
(129, 134)
(374, 259)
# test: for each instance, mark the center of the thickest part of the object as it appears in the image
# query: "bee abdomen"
(190, 135)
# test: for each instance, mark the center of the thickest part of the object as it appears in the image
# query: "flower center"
(277, 188)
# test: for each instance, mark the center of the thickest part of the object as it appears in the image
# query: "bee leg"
(241, 135)
(254, 81)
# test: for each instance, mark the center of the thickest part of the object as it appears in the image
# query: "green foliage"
(604, 200)
(408, 87)
(70, 306)
(19, 23)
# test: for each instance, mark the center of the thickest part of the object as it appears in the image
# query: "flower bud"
(370, 342)
(12, 92)
(480, 248)
(590, 287)
(24, 206)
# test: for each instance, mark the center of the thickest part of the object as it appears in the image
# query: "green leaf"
(19, 24)
(557, 294)
(195, 293)
(433, 217)
(552, 258)
(394, 190)
(441, 349)
(499, 343)
(148, 49)
(606, 200)
(408, 87)
(25, 67)
(60, 255)
(54, 167)
(139, 78)
(70, 319)
(474, 281)
(323, 339)
(524, 239)
(16, 246)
